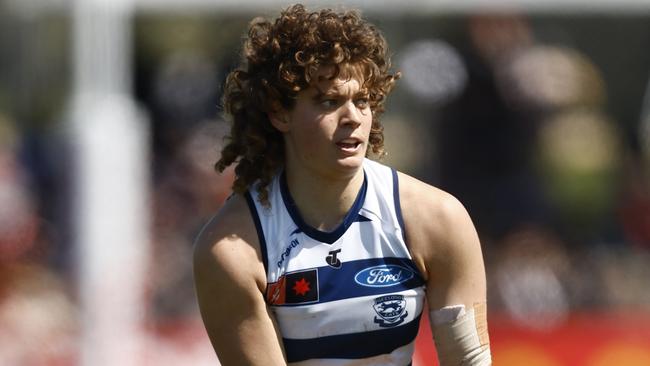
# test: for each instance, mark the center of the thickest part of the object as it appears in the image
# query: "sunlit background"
(535, 114)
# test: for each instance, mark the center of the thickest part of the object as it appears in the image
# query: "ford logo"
(384, 275)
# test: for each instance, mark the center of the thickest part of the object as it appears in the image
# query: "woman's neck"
(323, 203)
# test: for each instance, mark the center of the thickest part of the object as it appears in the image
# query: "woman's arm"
(230, 281)
(444, 244)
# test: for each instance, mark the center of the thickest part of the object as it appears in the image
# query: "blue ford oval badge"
(384, 275)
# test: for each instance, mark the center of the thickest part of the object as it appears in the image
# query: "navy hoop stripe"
(341, 283)
(352, 346)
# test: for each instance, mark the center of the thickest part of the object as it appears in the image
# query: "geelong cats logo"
(391, 310)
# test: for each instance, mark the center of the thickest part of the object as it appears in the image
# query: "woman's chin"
(351, 162)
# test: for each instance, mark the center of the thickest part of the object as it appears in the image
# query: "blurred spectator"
(529, 277)
(185, 196)
(38, 321)
(37, 317)
(181, 89)
(580, 157)
(184, 92)
(19, 222)
(485, 141)
(17, 233)
(634, 208)
(528, 141)
(625, 274)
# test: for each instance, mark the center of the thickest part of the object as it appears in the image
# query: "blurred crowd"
(521, 129)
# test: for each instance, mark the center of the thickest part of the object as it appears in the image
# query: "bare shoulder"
(443, 242)
(431, 210)
(230, 280)
(227, 249)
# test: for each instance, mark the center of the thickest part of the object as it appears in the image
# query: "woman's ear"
(279, 119)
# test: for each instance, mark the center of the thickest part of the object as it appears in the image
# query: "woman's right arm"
(230, 281)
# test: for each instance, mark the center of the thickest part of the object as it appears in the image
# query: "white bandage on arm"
(461, 336)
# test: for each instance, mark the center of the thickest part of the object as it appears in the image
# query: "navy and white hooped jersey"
(351, 296)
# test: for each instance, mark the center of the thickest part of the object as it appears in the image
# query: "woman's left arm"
(445, 246)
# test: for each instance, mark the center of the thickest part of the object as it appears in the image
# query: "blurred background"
(536, 116)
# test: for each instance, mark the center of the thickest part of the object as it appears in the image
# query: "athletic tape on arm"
(461, 336)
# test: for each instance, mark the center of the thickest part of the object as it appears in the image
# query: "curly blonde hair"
(279, 60)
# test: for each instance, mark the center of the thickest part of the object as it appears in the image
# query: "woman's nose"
(351, 114)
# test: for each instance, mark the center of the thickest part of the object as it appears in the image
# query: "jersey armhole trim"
(258, 227)
(398, 206)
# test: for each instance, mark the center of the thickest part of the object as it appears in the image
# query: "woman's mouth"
(349, 146)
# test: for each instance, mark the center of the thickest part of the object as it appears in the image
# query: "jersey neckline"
(328, 237)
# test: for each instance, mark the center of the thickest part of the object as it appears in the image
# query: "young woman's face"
(327, 131)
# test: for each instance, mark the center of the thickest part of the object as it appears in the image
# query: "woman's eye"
(362, 102)
(329, 103)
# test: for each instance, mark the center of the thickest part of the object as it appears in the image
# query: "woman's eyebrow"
(327, 93)
(361, 93)
(334, 92)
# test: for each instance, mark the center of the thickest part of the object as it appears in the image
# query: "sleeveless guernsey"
(351, 296)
